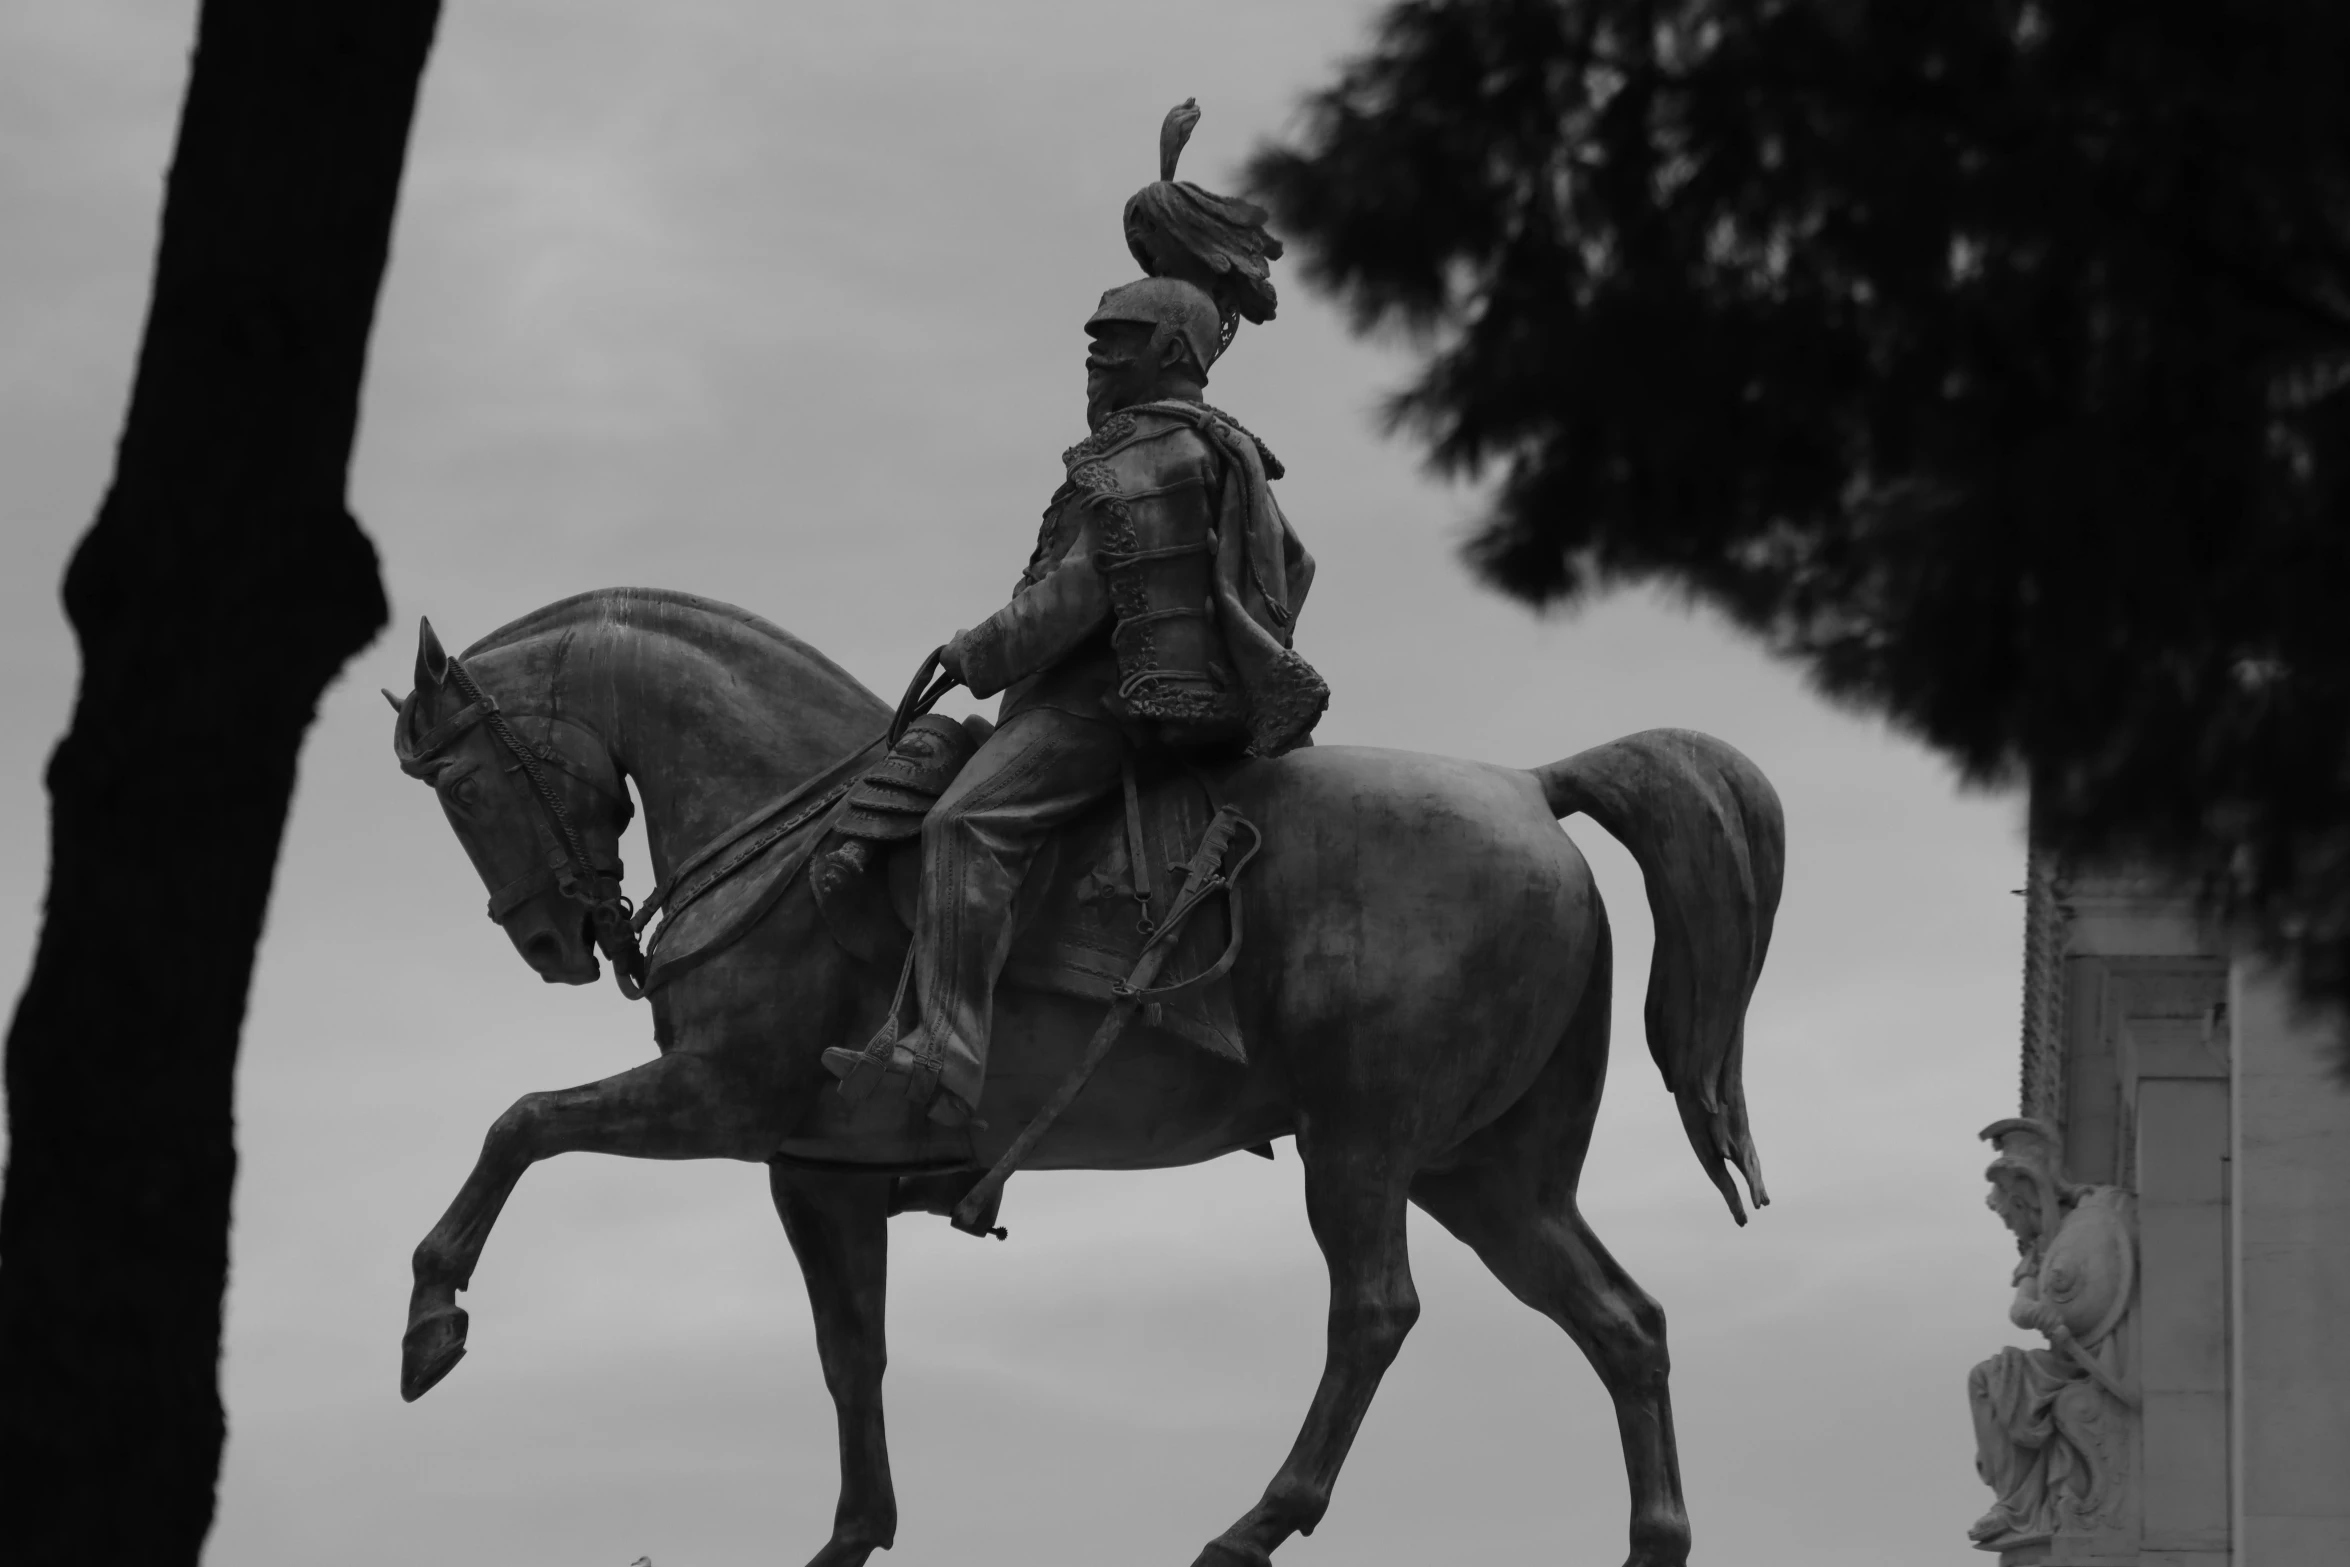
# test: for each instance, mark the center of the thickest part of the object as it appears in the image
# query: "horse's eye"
(465, 793)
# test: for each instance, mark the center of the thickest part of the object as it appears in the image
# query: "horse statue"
(1424, 993)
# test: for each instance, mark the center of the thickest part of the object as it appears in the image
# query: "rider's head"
(1151, 339)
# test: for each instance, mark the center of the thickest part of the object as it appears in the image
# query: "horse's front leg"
(838, 1226)
(675, 1108)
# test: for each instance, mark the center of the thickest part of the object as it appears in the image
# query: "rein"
(675, 894)
(834, 780)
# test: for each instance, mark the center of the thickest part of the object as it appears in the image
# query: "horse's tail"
(1706, 827)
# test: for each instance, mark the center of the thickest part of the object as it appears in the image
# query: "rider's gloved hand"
(950, 658)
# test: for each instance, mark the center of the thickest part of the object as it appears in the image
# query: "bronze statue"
(1398, 959)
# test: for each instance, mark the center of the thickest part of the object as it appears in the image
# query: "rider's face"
(1119, 368)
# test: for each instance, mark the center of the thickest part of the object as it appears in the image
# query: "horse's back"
(1407, 802)
(1415, 921)
(1418, 933)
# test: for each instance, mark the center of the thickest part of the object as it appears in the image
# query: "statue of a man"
(1154, 618)
(2048, 1422)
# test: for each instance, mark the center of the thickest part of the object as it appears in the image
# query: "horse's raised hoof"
(1234, 1553)
(843, 1553)
(430, 1350)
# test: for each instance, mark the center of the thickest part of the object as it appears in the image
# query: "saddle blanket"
(1082, 930)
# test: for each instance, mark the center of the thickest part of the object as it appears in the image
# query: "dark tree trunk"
(222, 587)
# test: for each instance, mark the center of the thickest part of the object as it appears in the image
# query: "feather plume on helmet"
(1216, 243)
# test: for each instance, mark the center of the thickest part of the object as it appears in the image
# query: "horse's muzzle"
(559, 962)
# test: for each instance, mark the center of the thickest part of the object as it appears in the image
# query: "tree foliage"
(1990, 358)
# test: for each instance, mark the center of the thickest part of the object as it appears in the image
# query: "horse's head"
(539, 806)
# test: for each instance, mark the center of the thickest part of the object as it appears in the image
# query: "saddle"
(1082, 919)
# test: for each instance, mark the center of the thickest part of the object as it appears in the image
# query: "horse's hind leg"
(1513, 1201)
(838, 1226)
(1355, 1202)
(1553, 1262)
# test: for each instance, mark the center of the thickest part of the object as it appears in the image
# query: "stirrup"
(888, 1059)
(860, 1071)
(916, 1074)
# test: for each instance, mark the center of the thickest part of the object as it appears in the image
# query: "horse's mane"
(701, 621)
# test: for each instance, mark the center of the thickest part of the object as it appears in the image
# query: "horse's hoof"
(430, 1350)
(843, 1553)
(1660, 1541)
(1234, 1553)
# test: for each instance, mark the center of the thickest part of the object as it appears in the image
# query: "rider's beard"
(1103, 384)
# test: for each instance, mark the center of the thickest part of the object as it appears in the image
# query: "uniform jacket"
(1164, 587)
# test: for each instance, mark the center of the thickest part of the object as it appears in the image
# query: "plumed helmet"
(1184, 309)
(1218, 243)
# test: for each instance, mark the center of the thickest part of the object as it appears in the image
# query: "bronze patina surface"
(1424, 990)
(1154, 622)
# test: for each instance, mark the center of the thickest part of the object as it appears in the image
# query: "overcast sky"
(780, 303)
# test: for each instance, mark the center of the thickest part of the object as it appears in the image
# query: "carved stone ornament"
(2055, 1427)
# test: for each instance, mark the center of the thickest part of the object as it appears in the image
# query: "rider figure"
(1154, 617)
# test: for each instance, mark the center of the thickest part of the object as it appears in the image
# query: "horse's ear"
(432, 664)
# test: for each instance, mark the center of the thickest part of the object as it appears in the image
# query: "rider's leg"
(1038, 771)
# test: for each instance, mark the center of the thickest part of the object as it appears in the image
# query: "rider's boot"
(960, 1079)
(946, 1083)
(860, 1071)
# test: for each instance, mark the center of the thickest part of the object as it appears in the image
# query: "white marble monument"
(2184, 1124)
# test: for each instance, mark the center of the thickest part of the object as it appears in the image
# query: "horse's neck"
(709, 721)
(706, 753)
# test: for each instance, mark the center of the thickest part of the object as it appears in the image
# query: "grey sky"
(780, 303)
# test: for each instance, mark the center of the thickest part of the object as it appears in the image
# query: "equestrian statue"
(1137, 922)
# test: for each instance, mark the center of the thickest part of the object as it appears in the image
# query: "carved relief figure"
(2051, 1425)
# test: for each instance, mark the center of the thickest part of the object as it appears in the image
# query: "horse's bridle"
(596, 888)
(567, 867)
